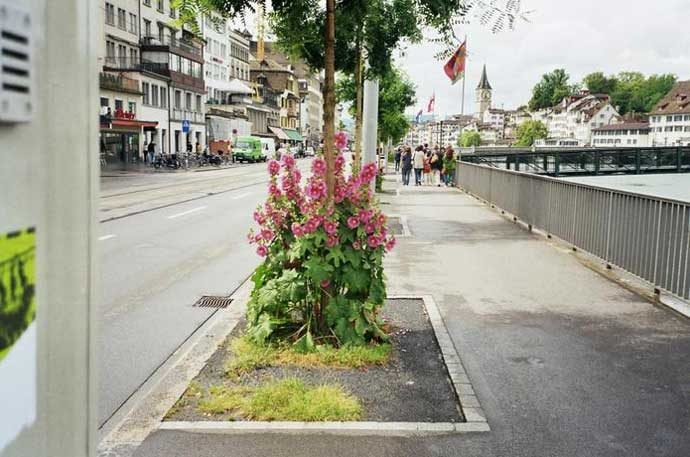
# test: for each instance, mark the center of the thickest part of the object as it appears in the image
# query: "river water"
(675, 186)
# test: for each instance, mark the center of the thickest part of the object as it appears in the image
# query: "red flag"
(432, 101)
(455, 68)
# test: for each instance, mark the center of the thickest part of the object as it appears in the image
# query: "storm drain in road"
(210, 301)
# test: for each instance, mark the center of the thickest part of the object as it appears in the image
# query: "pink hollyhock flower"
(297, 175)
(373, 241)
(267, 234)
(258, 238)
(288, 161)
(390, 244)
(318, 166)
(368, 172)
(330, 227)
(297, 229)
(341, 140)
(352, 222)
(262, 251)
(312, 224)
(316, 190)
(259, 218)
(332, 241)
(356, 245)
(325, 283)
(369, 228)
(339, 161)
(365, 215)
(273, 167)
(274, 190)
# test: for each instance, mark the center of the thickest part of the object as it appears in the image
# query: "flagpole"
(464, 76)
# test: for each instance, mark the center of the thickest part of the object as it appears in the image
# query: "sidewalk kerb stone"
(335, 428)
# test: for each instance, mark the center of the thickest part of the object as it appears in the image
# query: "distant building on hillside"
(624, 134)
(670, 118)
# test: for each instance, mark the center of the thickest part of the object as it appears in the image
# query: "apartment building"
(624, 134)
(670, 118)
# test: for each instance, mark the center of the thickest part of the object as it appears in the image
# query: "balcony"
(187, 115)
(119, 83)
(184, 47)
(122, 64)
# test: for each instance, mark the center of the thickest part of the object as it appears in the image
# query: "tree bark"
(359, 81)
(329, 99)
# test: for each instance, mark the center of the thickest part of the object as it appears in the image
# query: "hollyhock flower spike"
(288, 161)
(390, 244)
(273, 167)
(339, 162)
(318, 166)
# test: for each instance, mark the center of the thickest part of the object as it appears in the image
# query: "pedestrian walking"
(436, 163)
(406, 159)
(428, 176)
(449, 165)
(418, 163)
(398, 155)
(151, 152)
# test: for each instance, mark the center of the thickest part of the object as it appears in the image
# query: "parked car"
(248, 149)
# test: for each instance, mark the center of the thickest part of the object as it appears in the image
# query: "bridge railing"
(646, 236)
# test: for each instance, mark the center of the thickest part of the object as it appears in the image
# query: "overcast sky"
(582, 36)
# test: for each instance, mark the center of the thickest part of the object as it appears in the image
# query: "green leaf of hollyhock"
(336, 256)
(305, 344)
(360, 326)
(317, 269)
(352, 256)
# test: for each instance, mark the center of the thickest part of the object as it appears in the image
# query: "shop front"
(121, 141)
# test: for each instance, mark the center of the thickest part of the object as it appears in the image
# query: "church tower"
(482, 95)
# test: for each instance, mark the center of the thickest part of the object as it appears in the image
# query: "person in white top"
(418, 164)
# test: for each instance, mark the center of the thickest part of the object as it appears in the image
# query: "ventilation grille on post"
(16, 64)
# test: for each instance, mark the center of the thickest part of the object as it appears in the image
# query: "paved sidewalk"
(564, 362)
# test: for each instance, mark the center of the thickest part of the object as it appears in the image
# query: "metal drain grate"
(210, 301)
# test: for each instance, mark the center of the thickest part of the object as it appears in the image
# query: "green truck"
(248, 149)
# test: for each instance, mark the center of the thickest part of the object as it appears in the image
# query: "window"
(175, 62)
(147, 2)
(634, 141)
(147, 27)
(133, 24)
(678, 118)
(669, 118)
(109, 14)
(109, 49)
(160, 6)
(118, 104)
(105, 102)
(198, 103)
(668, 129)
(173, 13)
(687, 117)
(132, 107)
(178, 99)
(678, 128)
(121, 19)
(687, 128)
(164, 97)
(145, 88)
(134, 55)
(154, 95)
(188, 101)
(122, 51)
(161, 33)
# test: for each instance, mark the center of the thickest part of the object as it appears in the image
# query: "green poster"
(17, 286)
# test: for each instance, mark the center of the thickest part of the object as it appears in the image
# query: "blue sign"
(185, 126)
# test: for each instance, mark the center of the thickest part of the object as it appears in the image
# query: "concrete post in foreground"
(370, 115)
(49, 177)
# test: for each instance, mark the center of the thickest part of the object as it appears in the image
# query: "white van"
(268, 146)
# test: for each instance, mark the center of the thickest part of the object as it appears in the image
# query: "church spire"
(484, 82)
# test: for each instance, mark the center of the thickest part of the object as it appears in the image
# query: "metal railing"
(181, 44)
(644, 235)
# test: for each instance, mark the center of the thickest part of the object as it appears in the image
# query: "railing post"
(679, 160)
(597, 162)
(546, 163)
(638, 162)
(608, 231)
(557, 164)
(517, 162)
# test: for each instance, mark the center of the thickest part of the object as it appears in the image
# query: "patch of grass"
(193, 390)
(249, 355)
(285, 400)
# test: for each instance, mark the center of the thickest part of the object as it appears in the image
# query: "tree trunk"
(329, 99)
(359, 81)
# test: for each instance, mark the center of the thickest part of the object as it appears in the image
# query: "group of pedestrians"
(431, 167)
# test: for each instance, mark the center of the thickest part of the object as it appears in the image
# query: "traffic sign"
(185, 126)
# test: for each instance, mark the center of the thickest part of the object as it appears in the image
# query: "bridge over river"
(585, 161)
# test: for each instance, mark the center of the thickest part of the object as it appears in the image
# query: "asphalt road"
(186, 238)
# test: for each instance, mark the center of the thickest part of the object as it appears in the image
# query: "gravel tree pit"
(414, 386)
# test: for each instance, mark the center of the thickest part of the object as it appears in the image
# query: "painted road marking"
(106, 237)
(242, 196)
(187, 212)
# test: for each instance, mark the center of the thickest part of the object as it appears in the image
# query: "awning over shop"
(234, 86)
(132, 123)
(293, 134)
(279, 133)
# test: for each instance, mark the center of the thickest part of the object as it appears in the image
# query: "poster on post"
(17, 334)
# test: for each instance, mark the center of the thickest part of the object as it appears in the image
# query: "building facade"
(670, 118)
(624, 134)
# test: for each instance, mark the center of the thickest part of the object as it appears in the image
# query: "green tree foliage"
(552, 88)
(469, 139)
(396, 93)
(598, 83)
(530, 131)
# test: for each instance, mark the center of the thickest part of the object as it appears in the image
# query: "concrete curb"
(405, 225)
(338, 428)
(145, 410)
